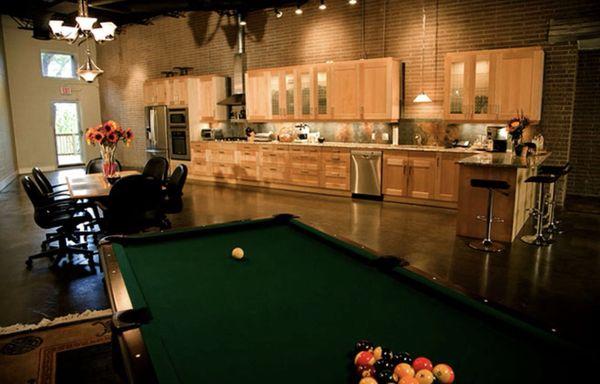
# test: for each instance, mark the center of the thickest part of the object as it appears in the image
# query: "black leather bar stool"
(538, 238)
(487, 245)
(559, 171)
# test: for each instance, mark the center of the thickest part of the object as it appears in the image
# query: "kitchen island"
(512, 208)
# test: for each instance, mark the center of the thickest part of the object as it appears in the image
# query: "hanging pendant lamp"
(422, 96)
(89, 70)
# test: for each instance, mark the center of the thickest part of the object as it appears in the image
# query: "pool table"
(290, 311)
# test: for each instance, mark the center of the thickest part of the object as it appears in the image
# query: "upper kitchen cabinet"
(211, 89)
(156, 92)
(178, 91)
(306, 95)
(519, 77)
(345, 91)
(380, 84)
(493, 85)
(322, 89)
(258, 95)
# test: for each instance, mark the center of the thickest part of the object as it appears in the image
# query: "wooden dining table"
(93, 185)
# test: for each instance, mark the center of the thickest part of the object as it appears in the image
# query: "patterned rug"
(63, 354)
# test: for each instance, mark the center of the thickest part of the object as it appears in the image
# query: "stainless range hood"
(239, 69)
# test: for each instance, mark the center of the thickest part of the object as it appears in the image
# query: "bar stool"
(538, 212)
(559, 171)
(487, 245)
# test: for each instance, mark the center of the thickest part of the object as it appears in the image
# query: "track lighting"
(298, 10)
(352, 2)
(322, 5)
(278, 13)
(242, 19)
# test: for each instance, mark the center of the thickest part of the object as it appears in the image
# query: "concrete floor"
(557, 286)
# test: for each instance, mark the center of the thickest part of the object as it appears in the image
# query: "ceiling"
(35, 14)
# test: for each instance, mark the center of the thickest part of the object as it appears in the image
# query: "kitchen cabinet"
(421, 175)
(305, 165)
(274, 163)
(519, 80)
(395, 174)
(258, 96)
(306, 95)
(345, 91)
(247, 168)
(322, 91)
(178, 91)
(380, 85)
(210, 90)
(155, 92)
(200, 163)
(446, 181)
(493, 85)
(282, 94)
(335, 169)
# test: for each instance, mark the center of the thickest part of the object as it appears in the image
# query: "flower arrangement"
(107, 135)
(516, 126)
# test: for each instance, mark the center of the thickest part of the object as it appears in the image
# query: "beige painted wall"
(8, 165)
(31, 96)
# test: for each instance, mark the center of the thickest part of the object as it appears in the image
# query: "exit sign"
(65, 90)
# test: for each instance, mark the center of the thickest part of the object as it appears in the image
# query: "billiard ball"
(402, 370)
(444, 373)
(237, 253)
(424, 376)
(408, 380)
(385, 377)
(422, 363)
(387, 354)
(367, 380)
(405, 357)
(381, 365)
(377, 353)
(365, 370)
(363, 345)
(395, 359)
(364, 358)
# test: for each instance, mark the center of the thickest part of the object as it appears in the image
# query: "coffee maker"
(496, 135)
(302, 131)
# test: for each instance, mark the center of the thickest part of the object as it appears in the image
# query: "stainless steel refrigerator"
(157, 141)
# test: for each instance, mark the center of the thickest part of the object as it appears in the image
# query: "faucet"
(418, 140)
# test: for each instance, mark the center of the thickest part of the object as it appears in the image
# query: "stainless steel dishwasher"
(365, 173)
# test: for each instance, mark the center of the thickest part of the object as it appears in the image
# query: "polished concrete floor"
(557, 286)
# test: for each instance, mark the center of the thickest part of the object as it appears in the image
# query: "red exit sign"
(65, 90)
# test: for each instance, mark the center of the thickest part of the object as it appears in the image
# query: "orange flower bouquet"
(107, 136)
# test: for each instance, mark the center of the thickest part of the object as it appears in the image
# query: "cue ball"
(237, 253)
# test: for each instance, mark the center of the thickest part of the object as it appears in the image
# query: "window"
(60, 65)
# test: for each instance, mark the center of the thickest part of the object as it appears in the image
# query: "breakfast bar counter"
(511, 207)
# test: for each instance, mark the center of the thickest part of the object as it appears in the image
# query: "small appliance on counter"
(206, 134)
(263, 137)
(302, 132)
(461, 144)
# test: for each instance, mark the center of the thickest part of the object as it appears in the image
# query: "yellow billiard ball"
(237, 253)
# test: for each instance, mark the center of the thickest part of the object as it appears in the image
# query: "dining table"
(93, 185)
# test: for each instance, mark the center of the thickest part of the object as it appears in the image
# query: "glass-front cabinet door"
(456, 98)
(483, 106)
(305, 96)
(275, 96)
(322, 78)
(289, 94)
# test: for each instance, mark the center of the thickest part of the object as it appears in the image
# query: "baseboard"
(46, 168)
(7, 180)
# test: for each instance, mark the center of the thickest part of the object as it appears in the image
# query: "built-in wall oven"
(179, 134)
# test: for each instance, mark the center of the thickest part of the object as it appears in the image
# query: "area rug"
(47, 323)
(54, 355)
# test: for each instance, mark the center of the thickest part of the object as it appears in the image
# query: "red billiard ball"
(364, 358)
(422, 363)
(444, 373)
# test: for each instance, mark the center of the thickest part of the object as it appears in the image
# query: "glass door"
(305, 93)
(67, 133)
(483, 105)
(275, 96)
(289, 83)
(322, 94)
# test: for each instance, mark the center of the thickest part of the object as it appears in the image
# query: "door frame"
(79, 126)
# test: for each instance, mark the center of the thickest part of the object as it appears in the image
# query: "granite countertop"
(331, 144)
(498, 159)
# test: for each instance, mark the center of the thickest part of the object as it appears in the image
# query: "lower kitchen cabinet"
(335, 169)
(395, 178)
(446, 183)
(421, 175)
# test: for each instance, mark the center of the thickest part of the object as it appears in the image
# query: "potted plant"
(107, 135)
(516, 126)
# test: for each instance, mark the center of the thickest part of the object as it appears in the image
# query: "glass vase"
(109, 164)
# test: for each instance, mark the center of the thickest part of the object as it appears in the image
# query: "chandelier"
(82, 31)
(84, 28)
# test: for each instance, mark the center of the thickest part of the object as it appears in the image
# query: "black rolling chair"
(64, 218)
(487, 245)
(95, 166)
(157, 167)
(172, 201)
(538, 237)
(552, 224)
(43, 182)
(133, 205)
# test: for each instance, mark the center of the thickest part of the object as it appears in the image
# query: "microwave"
(178, 117)
(207, 134)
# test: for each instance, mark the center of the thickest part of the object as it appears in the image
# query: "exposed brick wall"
(206, 42)
(585, 145)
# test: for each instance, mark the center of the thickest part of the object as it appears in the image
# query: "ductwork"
(238, 96)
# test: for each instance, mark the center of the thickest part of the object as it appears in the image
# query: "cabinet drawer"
(201, 170)
(273, 158)
(248, 147)
(305, 157)
(223, 170)
(200, 146)
(336, 171)
(223, 156)
(247, 172)
(305, 177)
(314, 166)
(334, 182)
(336, 156)
(273, 174)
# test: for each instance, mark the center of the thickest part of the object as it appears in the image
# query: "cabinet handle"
(404, 170)
(438, 162)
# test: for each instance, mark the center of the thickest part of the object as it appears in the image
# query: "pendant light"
(422, 96)
(89, 70)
